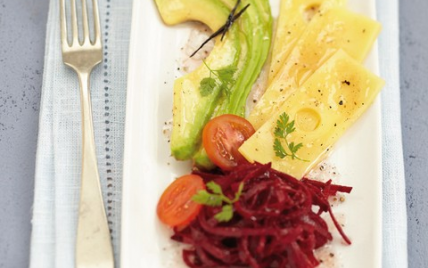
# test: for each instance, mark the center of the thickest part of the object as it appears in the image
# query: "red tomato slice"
(222, 136)
(175, 207)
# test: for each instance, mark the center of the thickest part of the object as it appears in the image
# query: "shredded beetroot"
(274, 224)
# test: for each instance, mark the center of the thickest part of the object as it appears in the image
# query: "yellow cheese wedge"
(337, 29)
(328, 103)
(294, 16)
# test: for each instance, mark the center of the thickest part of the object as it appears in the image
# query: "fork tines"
(74, 24)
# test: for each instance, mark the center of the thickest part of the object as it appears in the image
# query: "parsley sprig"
(217, 199)
(223, 78)
(284, 128)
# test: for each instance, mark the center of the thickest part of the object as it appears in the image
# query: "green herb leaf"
(226, 214)
(283, 128)
(281, 125)
(279, 149)
(291, 146)
(217, 199)
(295, 148)
(207, 199)
(226, 74)
(222, 78)
(214, 187)
(207, 86)
(290, 128)
(298, 146)
(239, 192)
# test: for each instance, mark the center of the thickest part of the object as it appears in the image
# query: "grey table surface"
(22, 38)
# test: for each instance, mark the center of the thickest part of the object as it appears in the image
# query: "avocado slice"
(191, 109)
(178, 11)
(256, 26)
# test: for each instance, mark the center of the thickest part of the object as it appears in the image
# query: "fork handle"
(93, 246)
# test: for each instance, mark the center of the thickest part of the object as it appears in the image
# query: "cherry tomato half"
(222, 137)
(175, 207)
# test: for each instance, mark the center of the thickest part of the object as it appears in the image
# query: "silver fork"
(93, 245)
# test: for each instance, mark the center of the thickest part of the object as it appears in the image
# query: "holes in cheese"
(307, 119)
(323, 108)
(294, 16)
(336, 29)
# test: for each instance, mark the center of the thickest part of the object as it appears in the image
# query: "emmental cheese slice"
(294, 17)
(337, 29)
(328, 103)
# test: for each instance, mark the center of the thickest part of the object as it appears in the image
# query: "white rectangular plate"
(148, 167)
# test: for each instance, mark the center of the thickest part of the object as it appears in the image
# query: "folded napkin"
(58, 163)
(59, 147)
(394, 190)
